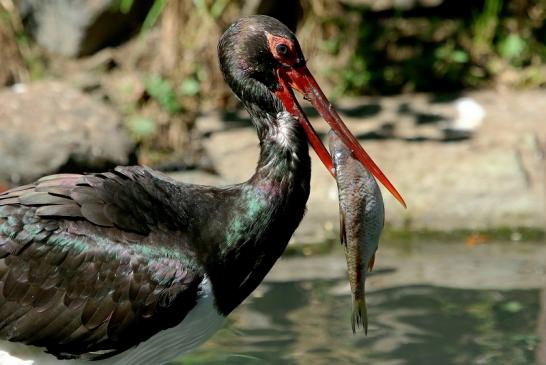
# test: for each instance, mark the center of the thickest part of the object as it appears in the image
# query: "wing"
(91, 265)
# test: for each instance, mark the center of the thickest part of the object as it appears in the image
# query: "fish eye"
(282, 49)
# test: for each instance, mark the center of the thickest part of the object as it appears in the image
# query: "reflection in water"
(305, 323)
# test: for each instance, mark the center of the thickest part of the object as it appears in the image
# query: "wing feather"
(66, 210)
(43, 198)
(94, 213)
(87, 267)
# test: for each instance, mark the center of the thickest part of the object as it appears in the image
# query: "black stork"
(130, 267)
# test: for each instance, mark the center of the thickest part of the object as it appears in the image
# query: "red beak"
(301, 80)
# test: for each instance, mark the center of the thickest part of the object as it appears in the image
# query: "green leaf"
(125, 6)
(512, 46)
(141, 127)
(512, 306)
(459, 56)
(161, 90)
(218, 8)
(153, 14)
(190, 87)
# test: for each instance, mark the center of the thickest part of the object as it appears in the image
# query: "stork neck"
(284, 153)
(265, 213)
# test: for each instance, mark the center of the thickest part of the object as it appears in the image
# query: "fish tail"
(360, 315)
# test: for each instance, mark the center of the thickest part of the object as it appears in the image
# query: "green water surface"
(307, 323)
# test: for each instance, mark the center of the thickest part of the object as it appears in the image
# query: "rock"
(499, 266)
(492, 179)
(49, 127)
(235, 162)
(80, 27)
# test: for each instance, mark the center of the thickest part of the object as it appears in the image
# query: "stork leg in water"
(129, 267)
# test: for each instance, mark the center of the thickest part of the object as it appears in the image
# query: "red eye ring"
(282, 49)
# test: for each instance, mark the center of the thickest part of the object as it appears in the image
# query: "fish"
(362, 217)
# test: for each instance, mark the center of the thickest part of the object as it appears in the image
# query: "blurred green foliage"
(141, 127)
(153, 14)
(453, 46)
(34, 60)
(125, 5)
(162, 90)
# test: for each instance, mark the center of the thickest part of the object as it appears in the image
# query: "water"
(306, 322)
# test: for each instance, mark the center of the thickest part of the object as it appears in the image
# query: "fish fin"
(342, 232)
(359, 316)
(371, 263)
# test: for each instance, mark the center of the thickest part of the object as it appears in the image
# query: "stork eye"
(282, 49)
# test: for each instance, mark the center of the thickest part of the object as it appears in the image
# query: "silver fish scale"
(359, 196)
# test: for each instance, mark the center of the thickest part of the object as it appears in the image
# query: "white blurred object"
(19, 88)
(470, 117)
(471, 114)
(7, 359)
